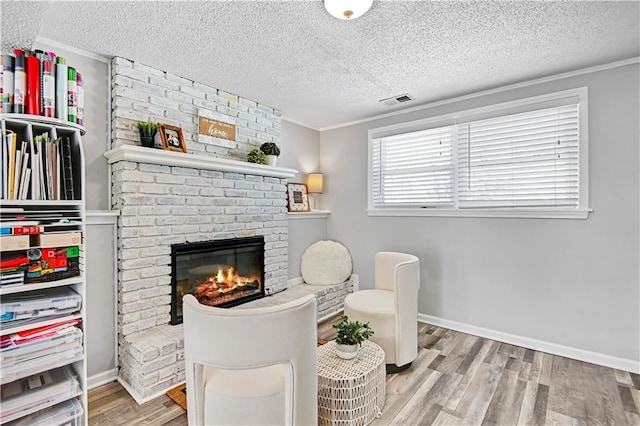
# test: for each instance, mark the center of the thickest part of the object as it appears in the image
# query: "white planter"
(346, 351)
(272, 160)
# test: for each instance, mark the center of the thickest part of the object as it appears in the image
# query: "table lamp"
(314, 187)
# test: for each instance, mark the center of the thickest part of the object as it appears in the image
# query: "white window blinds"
(520, 160)
(523, 158)
(413, 169)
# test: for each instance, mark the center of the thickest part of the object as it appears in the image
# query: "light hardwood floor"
(456, 379)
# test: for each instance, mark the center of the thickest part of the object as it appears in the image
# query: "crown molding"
(528, 83)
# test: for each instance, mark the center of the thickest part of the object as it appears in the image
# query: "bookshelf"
(43, 286)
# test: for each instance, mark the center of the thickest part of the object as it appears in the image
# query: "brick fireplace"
(167, 198)
(162, 205)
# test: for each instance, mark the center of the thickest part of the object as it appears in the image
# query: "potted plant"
(148, 130)
(256, 156)
(272, 151)
(351, 334)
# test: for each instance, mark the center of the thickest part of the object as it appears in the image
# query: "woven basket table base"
(350, 392)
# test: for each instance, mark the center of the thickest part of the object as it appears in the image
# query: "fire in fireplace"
(220, 273)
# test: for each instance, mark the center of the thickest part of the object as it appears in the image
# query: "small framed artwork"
(297, 197)
(172, 138)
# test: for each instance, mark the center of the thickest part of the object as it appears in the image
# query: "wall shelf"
(313, 214)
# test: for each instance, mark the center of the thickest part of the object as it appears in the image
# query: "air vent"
(395, 100)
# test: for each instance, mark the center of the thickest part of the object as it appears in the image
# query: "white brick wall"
(162, 205)
(143, 93)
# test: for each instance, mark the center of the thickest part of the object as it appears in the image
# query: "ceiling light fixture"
(347, 9)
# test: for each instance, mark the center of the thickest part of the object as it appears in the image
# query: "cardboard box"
(61, 239)
(14, 242)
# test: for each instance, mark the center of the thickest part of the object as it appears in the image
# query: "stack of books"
(41, 169)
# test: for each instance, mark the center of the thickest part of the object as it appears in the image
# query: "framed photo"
(297, 197)
(172, 138)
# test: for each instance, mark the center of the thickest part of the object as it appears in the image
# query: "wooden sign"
(217, 129)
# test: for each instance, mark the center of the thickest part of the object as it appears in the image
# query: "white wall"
(567, 282)
(301, 151)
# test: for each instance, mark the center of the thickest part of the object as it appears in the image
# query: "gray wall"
(301, 151)
(568, 282)
(303, 233)
(101, 300)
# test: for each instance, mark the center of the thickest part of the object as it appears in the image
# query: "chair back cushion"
(234, 339)
(386, 268)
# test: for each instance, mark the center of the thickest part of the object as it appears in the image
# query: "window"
(520, 159)
(414, 169)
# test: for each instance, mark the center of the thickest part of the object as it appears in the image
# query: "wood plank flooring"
(457, 379)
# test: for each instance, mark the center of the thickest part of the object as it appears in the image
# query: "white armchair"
(391, 309)
(255, 366)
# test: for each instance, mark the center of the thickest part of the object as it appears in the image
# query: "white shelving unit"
(70, 215)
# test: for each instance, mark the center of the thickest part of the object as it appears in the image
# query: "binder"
(67, 169)
(11, 159)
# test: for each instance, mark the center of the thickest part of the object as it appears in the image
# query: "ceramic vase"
(346, 351)
(272, 160)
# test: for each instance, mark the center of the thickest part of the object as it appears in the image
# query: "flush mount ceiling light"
(347, 9)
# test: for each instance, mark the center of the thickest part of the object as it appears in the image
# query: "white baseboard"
(538, 345)
(102, 378)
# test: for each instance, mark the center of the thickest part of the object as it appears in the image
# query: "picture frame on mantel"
(172, 138)
(297, 197)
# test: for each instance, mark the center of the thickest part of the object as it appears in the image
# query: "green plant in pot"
(272, 151)
(148, 131)
(256, 156)
(351, 334)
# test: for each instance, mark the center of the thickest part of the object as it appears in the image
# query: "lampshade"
(314, 183)
(347, 9)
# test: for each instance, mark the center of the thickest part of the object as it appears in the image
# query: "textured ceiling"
(322, 71)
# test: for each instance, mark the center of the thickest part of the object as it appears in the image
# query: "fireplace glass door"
(220, 273)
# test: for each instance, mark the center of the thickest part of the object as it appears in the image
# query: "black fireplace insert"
(221, 273)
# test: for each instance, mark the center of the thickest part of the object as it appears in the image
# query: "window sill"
(522, 213)
(313, 214)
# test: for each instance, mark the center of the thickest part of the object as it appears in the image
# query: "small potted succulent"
(272, 151)
(256, 156)
(351, 334)
(148, 130)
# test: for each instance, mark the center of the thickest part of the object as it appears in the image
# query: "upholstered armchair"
(391, 309)
(255, 366)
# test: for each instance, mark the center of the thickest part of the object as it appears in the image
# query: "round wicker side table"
(350, 392)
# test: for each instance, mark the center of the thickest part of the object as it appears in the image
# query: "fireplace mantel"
(169, 158)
